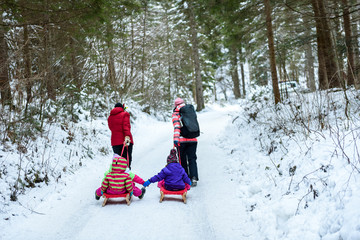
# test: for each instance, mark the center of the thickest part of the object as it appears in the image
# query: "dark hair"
(119, 105)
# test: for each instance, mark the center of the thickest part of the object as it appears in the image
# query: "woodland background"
(58, 57)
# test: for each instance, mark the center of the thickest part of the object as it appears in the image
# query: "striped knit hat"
(172, 157)
(119, 164)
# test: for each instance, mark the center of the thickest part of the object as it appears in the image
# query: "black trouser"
(118, 148)
(188, 159)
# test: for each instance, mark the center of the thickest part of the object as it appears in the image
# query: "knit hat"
(172, 157)
(119, 164)
(178, 101)
(119, 105)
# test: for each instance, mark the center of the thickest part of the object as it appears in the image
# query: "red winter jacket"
(119, 125)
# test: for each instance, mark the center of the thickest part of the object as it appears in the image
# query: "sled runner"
(164, 192)
(124, 195)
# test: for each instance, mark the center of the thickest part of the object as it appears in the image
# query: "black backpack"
(190, 126)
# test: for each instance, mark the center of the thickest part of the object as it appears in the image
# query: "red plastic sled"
(164, 192)
(123, 195)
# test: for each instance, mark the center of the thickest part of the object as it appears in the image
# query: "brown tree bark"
(169, 56)
(234, 71)
(47, 71)
(5, 91)
(355, 30)
(143, 59)
(348, 43)
(129, 80)
(337, 33)
(111, 61)
(195, 50)
(27, 66)
(249, 68)
(309, 58)
(329, 50)
(271, 46)
(47, 66)
(243, 79)
(323, 78)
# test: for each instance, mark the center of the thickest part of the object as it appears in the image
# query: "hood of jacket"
(116, 110)
(119, 164)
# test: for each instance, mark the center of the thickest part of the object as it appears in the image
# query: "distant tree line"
(58, 53)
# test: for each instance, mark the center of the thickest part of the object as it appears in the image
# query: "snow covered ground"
(240, 194)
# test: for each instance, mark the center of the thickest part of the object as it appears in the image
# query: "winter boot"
(96, 196)
(193, 182)
(143, 190)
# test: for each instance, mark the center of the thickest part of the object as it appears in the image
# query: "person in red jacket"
(119, 125)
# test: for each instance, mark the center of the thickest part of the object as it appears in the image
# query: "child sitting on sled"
(118, 180)
(172, 177)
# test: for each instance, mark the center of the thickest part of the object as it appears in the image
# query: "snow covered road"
(243, 193)
(212, 210)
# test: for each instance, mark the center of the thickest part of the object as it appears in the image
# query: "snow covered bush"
(305, 174)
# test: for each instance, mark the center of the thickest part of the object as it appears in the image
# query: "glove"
(176, 144)
(131, 194)
(127, 141)
(147, 183)
(190, 183)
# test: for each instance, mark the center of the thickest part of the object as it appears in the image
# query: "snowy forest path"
(211, 212)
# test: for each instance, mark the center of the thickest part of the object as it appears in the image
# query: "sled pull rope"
(178, 152)
(122, 151)
(127, 153)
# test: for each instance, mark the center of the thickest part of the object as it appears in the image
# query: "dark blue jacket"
(174, 176)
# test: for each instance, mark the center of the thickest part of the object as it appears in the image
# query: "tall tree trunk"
(143, 59)
(243, 79)
(111, 63)
(169, 55)
(348, 43)
(270, 37)
(46, 62)
(214, 91)
(234, 71)
(48, 74)
(285, 74)
(323, 78)
(124, 61)
(5, 91)
(309, 58)
(281, 76)
(329, 50)
(337, 34)
(48, 69)
(176, 72)
(309, 68)
(129, 80)
(249, 67)
(27, 67)
(74, 64)
(355, 29)
(195, 50)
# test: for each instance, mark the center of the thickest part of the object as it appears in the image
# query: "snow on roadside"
(315, 200)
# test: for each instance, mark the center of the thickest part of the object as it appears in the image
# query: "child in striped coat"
(118, 180)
